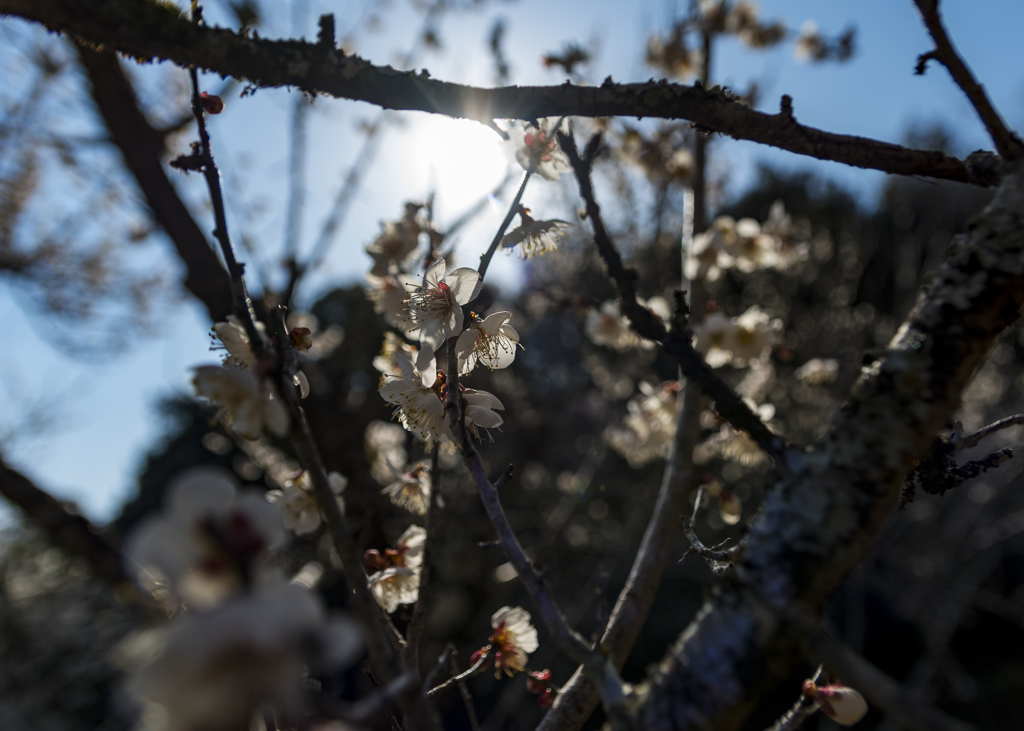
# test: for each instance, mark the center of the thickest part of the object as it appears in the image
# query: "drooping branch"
(823, 518)
(147, 30)
(677, 341)
(1006, 142)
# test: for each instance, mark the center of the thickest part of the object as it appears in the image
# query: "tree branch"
(823, 518)
(70, 531)
(1006, 142)
(142, 148)
(147, 30)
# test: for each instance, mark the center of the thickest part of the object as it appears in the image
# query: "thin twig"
(414, 631)
(646, 324)
(1007, 143)
(800, 712)
(716, 558)
(478, 666)
(442, 661)
(972, 440)
(467, 698)
(513, 209)
(570, 641)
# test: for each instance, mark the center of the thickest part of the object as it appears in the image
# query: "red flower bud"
(212, 103)
(545, 699)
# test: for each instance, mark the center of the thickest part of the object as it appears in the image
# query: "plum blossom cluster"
(609, 327)
(746, 245)
(299, 510)
(244, 637)
(396, 572)
(737, 341)
(649, 425)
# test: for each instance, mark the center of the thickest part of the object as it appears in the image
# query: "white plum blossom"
(299, 510)
(490, 341)
(649, 426)
(410, 490)
(385, 448)
(397, 576)
(235, 339)
(205, 541)
(817, 371)
(536, 148)
(738, 340)
(478, 414)
(388, 364)
(435, 307)
(417, 398)
(252, 403)
(512, 640)
(534, 238)
(745, 245)
(396, 242)
(217, 668)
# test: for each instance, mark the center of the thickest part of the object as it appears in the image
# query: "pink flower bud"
(212, 103)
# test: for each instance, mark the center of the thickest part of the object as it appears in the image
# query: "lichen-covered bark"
(148, 30)
(822, 518)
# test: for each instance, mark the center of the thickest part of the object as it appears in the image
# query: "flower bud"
(843, 705)
(212, 103)
(545, 699)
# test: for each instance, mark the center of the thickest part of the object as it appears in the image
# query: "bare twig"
(154, 30)
(485, 258)
(467, 698)
(442, 661)
(646, 324)
(567, 639)
(1006, 142)
(717, 559)
(972, 440)
(478, 666)
(880, 690)
(414, 631)
(800, 712)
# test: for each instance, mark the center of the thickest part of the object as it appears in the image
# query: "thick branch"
(143, 149)
(1007, 143)
(148, 30)
(824, 517)
(70, 531)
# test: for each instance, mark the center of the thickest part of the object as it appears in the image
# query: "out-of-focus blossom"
(299, 510)
(534, 238)
(205, 542)
(435, 306)
(817, 371)
(671, 55)
(217, 668)
(252, 404)
(490, 341)
(732, 445)
(390, 297)
(419, 405)
(536, 148)
(512, 640)
(609, 327)
(843, 705)
(737, 340)
(410, 490)
(387, 363)
(235, 340)
(649, 426)
(385, 449)
(396, 242)
(730, 507)
(396, 577)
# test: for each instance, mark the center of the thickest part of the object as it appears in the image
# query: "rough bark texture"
(823, 517)
(148, 30)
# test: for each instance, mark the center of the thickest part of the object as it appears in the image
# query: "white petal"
(434, 274)
(465, 284)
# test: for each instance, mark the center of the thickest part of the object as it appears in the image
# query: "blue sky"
(101, 416)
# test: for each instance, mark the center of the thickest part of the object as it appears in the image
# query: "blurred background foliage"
(939, 604)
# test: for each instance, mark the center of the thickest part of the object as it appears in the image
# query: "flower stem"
(485, 259)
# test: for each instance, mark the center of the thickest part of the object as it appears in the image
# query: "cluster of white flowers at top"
(745, 245)
(397, 241)
(396, 577)
(537, 149)
(739, 340)
(246, 635)
(649, 426)
(607, 326)
(435, 306)
(299, 510)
